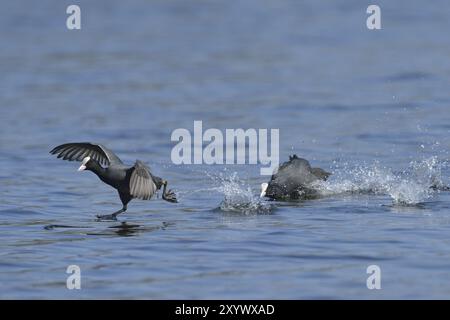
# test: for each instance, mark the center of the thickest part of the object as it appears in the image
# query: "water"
(370, 106)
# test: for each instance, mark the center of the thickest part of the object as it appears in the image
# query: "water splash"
(239, 197)
(418, 183)
(410, 187)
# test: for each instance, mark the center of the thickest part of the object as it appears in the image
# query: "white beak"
(83, 164)
(263, 189)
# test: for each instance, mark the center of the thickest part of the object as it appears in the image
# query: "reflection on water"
(127, 230)
(122, 229)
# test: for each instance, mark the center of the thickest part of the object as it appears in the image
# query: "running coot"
(131, 182)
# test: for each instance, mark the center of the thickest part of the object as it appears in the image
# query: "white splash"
(239, 197)
(418, 183)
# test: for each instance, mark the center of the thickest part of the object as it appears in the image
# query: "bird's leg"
(168, 195)
(112, 216)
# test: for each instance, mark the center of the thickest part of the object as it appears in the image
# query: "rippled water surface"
(372, 107)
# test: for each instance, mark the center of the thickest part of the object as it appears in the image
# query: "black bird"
(293, 180)
(131, 182)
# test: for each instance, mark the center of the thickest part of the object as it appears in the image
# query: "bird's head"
(86, 164)
(263, 189)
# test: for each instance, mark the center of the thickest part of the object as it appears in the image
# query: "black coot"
(131, 182)
(293, 180)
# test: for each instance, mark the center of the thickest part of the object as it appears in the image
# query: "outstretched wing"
(142, 185)
(79, 150)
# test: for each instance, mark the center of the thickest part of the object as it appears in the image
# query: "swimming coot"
(293, 180)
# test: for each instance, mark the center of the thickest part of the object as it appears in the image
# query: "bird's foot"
(170, 196)
(112, 217)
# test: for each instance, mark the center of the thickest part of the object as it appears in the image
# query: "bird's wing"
(142, 185)
(320, 173)
(79, 150)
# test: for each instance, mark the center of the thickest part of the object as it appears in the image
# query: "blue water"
(370, 106)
